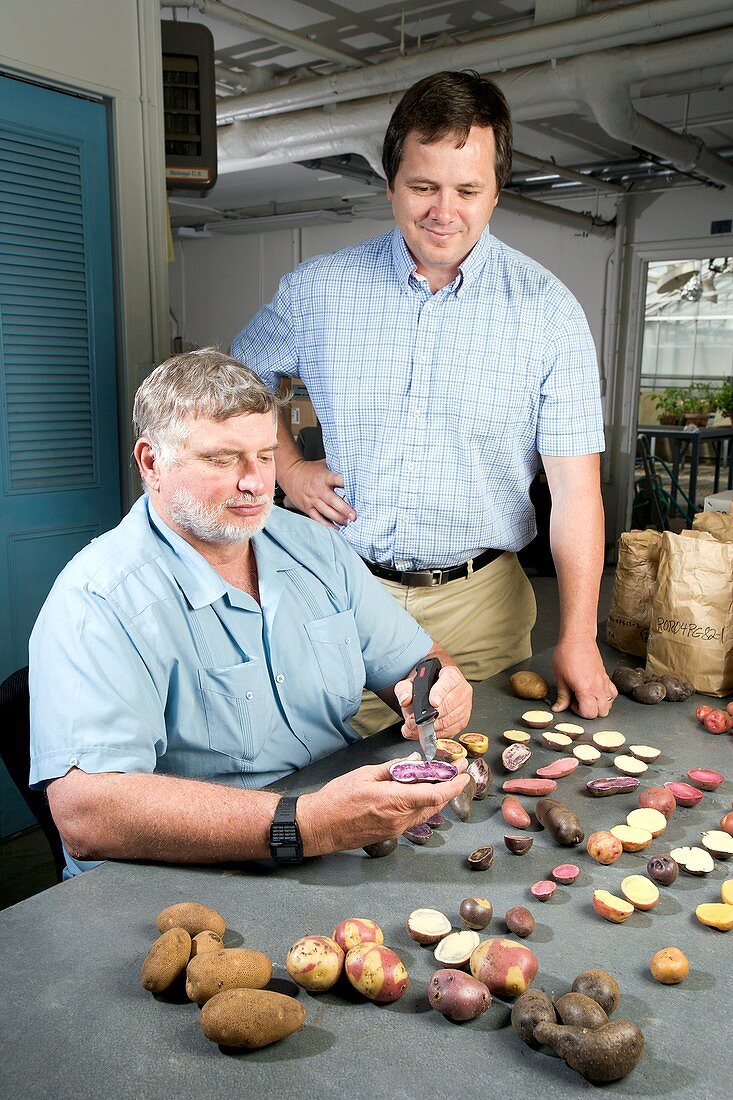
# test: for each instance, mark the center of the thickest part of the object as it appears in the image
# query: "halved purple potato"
(423, 771)
(614, 784)
(418, 834)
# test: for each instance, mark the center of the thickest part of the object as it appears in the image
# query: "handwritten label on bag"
(689, 630)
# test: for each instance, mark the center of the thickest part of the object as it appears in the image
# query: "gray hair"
(202, 383)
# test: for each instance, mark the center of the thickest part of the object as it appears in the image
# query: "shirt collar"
(468, 271)
(198, 580)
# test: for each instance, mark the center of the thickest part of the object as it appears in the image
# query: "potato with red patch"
(507, 968)
(315, 963)
(376, 972)
(355, 930)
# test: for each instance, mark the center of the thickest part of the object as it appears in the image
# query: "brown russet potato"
(205, 941)
(229, 968)
(250, 1018)
(193, 917)
(529, 685)
(166, 960)
(528, 1011)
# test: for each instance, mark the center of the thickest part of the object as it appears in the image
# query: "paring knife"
(426, 673)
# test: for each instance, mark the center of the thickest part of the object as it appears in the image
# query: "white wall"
(111, 48)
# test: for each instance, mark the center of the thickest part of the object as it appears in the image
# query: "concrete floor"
(26, 866)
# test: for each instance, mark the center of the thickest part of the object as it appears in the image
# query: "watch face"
(288, 853)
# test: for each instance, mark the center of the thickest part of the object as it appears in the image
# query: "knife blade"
(426, 673)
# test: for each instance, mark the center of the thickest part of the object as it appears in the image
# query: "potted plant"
(724, 399)
(686, 405)
(670, 405)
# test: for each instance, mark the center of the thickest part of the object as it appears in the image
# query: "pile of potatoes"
(228, 982)
(645, 687)
(585, 1038)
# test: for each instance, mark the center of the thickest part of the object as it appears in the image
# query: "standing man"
(442, 365)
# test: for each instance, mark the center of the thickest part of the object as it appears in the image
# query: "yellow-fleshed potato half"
(716, 915)
(230, 968)
(250, 1018)
(726, 891)
(640, 891)
(193, 917)
(166, 960)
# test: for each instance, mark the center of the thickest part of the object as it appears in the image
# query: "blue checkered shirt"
(434, 407)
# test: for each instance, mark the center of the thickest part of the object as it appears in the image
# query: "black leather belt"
(429, 578)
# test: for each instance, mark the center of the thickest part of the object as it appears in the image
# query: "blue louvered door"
(58, 422)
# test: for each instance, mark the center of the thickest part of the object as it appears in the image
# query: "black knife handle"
(426, 673)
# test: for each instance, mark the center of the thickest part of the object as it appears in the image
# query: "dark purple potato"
(663, 869)
(436, 820)
(418, 834)
(461, 804)
(520, 921)
(381, 848)
(457, 995)
(528, 1011)
(480, 859)
(423, 771)
(480, 772)
(613, 784)
(476, 913)
(518, 845)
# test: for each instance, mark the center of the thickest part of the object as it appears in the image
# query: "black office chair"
(15, 752)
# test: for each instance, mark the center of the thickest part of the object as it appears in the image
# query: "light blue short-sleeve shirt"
(143, 659)
(434, 407)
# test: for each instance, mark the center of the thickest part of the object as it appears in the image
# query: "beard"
(209, 522)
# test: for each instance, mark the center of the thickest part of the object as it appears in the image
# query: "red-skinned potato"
(657, 798)
(376, 972)
(507, 968)
(604, 847)
(702, 712)
(729, 708)
(717, 721)
(315, 963)
(354, 930)
(457, 995)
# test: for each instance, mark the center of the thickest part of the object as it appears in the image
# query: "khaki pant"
(484, 621)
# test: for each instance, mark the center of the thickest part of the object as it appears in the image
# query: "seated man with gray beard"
(210, 645)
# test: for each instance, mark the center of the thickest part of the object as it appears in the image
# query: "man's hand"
(366, 806)
(582, 681)
(309, 485)
(452, 697)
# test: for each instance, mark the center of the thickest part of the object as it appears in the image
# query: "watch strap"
(285, 842)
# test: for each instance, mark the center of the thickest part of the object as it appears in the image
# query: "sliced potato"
(608, 740)
(647, 753)
(716, 915)
(538, 719)
(640, 891)
(629, 765)
(632, 840)
(653, 821)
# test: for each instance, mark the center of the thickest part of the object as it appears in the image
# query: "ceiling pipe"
(216, 10)
(636, 24)
(570, 174)
(537, 92)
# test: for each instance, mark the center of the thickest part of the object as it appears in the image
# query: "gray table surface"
(77, 1023)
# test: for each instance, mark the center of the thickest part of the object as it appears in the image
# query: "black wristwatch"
(285, 843)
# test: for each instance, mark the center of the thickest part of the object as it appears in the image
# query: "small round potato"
(376, 972)
(669, 966)
(355, 930)
(529, 685)
(315, 963)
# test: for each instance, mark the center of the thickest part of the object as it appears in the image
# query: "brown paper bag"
(634, 582)
(717, 524)
(691, 630)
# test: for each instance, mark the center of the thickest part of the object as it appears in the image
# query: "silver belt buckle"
(436, 577)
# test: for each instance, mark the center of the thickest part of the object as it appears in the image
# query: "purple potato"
(461, 804)
(436, 820)
(457, 995)
(423, 771)
(613, 784)
(480, 772)
(418, 834)
(381, 848)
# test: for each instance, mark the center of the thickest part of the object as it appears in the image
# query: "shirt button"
(347, 641)
(280, 679)
(249, 695)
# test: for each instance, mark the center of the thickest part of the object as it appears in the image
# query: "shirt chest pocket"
(335, 643)
(234, 705)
